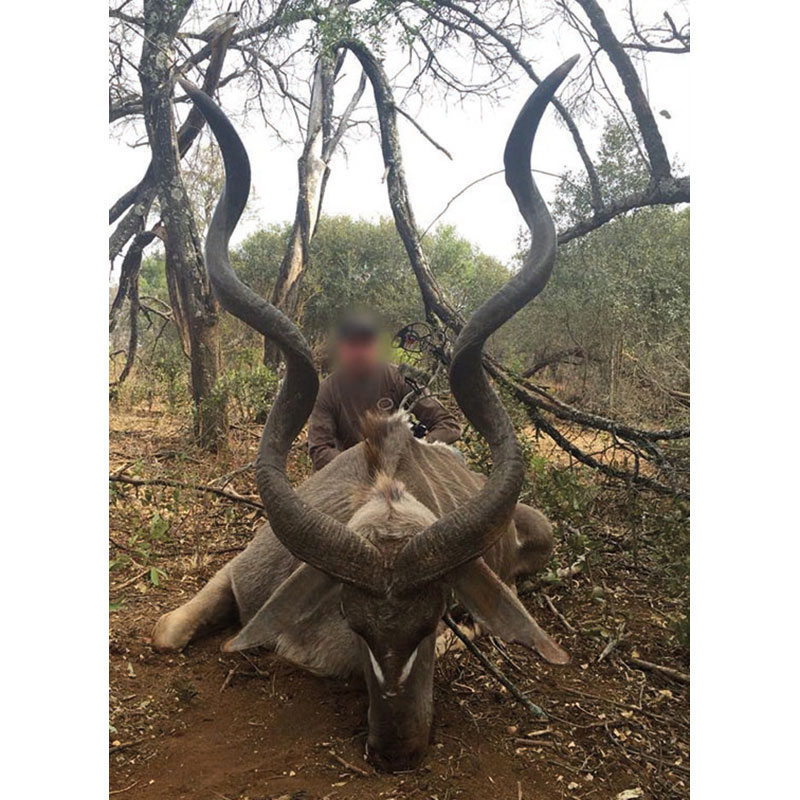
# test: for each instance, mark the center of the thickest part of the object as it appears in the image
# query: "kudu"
(355, 568)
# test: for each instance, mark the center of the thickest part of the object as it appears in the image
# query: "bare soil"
(203, 724)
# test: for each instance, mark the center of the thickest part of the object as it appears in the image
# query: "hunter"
(361, 382)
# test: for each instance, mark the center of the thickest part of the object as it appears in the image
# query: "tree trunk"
(312, 174)
(194, 307)
(313, 169)
(436, 304)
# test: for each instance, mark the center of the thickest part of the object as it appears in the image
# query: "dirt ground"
(203, 725)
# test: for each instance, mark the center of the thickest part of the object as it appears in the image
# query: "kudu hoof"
(171, 633)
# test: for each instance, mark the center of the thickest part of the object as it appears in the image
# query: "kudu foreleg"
(211, 608)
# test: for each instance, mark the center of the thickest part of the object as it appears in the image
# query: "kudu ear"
(494, 606)
(292, 603)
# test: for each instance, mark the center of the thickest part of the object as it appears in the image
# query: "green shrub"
(247, 388)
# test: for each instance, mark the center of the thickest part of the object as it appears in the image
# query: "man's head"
(357, 347)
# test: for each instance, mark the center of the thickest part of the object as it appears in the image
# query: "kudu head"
(396, 562)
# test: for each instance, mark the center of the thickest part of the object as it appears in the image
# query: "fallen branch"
(126, 789)
(348, 766)
(537, 711)
(228, 679)
(670, 672)
(227, 493)
(576, 568)
(533, 743)
(130, 581)
(117, 747)
(561, 618)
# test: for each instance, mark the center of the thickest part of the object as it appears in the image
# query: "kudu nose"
(395, 759)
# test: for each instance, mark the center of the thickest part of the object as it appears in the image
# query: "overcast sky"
(474, 134)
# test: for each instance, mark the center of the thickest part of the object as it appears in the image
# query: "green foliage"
(620, 167)
(621, 293)
(562, 493)
(140, 544)
(169, 374)
(248, 387)
(257, 259)
(153, 278)
(363, 263)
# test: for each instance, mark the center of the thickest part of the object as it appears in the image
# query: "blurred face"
(357, 356)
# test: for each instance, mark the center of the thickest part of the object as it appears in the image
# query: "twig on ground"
(120, 470)
(612, 642)
(348, 766)
(561, 618)
(670, 672)
(126, 789)
(117, 747)
(228, 679)
(504, 653)
(125, 584)
(573, 569)
(533, 743)
(489, 667)
(223, 480)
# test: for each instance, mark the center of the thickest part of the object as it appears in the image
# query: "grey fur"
(318, 638)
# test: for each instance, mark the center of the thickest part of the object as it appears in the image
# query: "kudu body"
(354, 570)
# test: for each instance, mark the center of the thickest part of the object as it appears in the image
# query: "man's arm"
(441, 424)
(322, 429)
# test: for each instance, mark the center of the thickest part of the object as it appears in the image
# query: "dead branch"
(436, 305)
(126, 789)
(130, 582)
(423, 131)
(141, 196)
(534, 396)
(534, 399)
(129, 287)
(665, 192)
(561, 618)
(228, 679)
(590, 461)
(456, 196)
(117, 747)
(557, 357)
(348, 766)
(518, 58)
(537, 711)
(651, 136)
(670, 672)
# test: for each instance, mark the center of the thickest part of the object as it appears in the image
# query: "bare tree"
(279, 44)
(193, 303)
(313, 170)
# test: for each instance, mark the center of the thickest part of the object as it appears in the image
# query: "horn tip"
(562, 71)
(187, 85)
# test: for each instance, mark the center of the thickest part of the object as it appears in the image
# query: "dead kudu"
(354, 570)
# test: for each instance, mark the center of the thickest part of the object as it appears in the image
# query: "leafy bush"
(248, 387)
